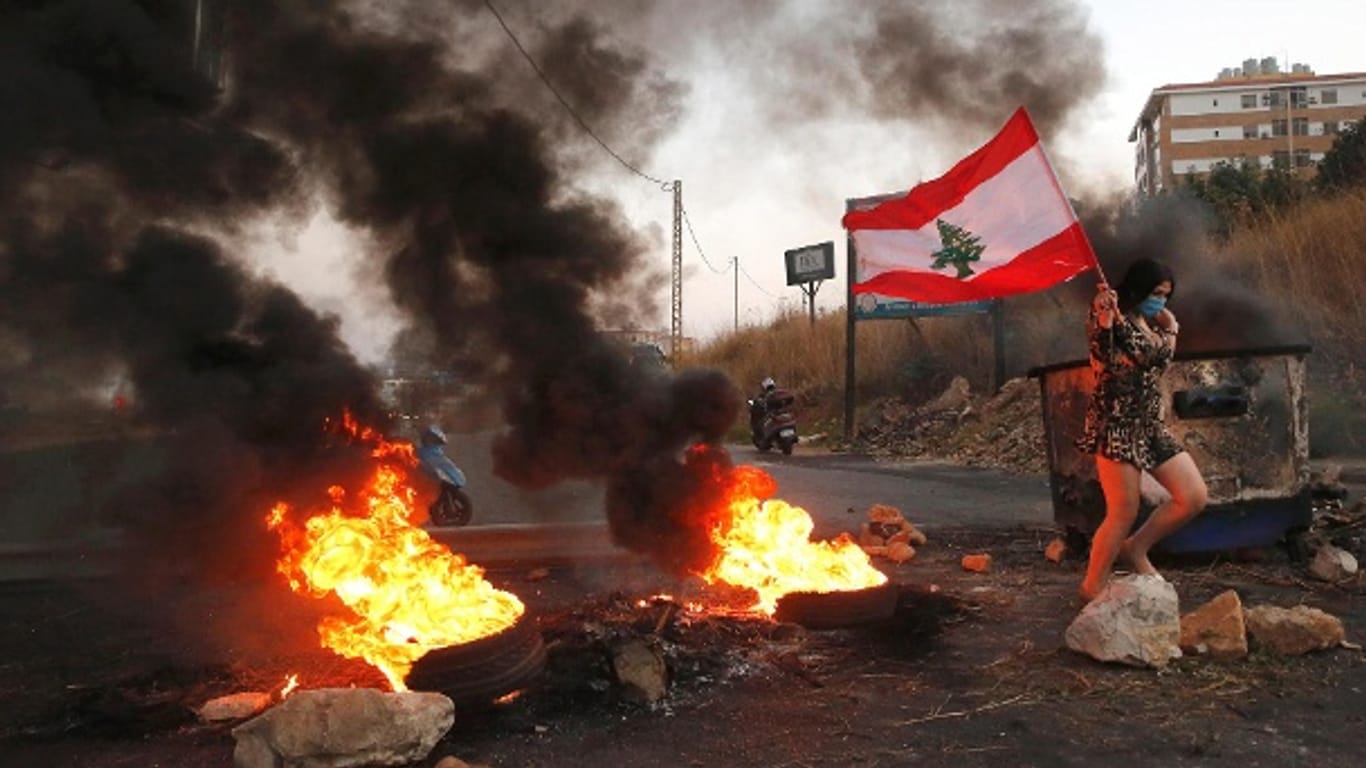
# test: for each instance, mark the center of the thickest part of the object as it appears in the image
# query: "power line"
(698, 246)
(751, 279)
(666, 186)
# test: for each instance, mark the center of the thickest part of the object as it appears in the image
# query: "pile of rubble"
(1004, 430)
(1136, 620)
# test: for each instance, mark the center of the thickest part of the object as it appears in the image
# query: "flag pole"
(1057, 186)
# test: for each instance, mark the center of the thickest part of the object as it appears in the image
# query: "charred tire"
(481, 671)
(828, 610)
(453, 508)
(787, 448)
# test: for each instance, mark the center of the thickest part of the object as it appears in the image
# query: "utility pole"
(676, 328)
(735, 265)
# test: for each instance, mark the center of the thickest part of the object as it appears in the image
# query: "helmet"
(768, 383)
(434, 434)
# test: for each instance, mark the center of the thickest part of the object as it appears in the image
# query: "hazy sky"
(768, 148)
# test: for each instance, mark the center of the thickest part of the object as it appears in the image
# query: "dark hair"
(1139, 281)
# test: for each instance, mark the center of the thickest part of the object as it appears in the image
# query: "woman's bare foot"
(1087, 593)
(1136, 559)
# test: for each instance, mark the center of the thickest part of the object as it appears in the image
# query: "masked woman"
(1132, 340)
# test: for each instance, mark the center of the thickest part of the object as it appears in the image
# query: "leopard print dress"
(1124, 416)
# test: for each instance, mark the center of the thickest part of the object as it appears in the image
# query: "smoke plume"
(129, 173)
(966, 66)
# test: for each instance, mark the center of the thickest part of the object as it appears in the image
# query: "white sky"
(754, 200)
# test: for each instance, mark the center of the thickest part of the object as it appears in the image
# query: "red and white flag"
(995, 225)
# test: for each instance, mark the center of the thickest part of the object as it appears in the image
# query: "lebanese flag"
(995, 225)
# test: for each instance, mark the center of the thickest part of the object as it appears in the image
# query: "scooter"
(452, 506)
(772, 422)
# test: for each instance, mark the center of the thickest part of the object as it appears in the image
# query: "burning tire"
(829, 610)
(483, 670)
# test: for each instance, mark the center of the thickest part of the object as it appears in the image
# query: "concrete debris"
(237, 706)
(1134, 621)
(641, 671)
(979, 562)
(889, 534)
(344, 728)
(1216, 629)
(1004, 430)
(1056, 550)
(1333, 564)
(1293, 631)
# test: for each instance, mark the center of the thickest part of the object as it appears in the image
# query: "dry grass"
(1312, 262)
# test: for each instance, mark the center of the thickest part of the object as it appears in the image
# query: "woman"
(1132, 339)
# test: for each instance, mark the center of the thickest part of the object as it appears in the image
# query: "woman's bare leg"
(1182, 479)
(1119, 481)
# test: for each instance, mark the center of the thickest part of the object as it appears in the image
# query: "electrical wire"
(688, 222)
(666, 186)
(751, 279)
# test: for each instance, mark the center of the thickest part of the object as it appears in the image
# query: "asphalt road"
(825, 485)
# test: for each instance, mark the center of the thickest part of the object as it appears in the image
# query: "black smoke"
(1214, 302)
(966, 66)
(129, 171)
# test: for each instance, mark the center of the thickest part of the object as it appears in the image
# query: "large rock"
(1135, 621)
(344, 728)
(1216, 629)
(1293, 631)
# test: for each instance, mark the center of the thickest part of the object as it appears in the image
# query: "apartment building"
(1254, 112)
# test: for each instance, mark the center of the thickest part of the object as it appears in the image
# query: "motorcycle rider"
(758, 407)
(452, 506)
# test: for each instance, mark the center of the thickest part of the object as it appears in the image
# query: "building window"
(1302, 158)
(1301, 126)
(1216, 102)
(1249, 101)
(1278, 127)
(1280, 159)
(1274, 99)
(1249, 131)
(1328, 96)
(1330, 128)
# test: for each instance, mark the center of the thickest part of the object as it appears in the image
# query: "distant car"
(649, 356)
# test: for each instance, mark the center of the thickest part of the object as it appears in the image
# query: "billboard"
(810, 263)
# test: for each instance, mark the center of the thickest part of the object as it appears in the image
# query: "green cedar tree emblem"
(961, 247)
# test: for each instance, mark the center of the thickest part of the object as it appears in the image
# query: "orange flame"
(766, 546)
(291, 683)
(407, 593)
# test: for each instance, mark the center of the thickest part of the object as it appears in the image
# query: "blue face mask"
(1151, 306)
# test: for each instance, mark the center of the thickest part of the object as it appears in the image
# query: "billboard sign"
(810, 263)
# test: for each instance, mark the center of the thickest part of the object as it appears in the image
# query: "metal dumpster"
(1243, 416)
